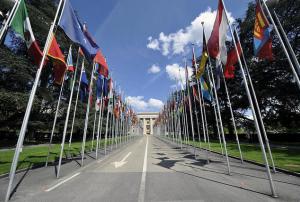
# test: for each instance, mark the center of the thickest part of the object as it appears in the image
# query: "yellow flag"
(201, 68)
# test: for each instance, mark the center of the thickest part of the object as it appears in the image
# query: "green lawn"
(284, 157)
(37, 155)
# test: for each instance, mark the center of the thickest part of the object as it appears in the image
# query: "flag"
(22, 26)
(99, 86)
(70, 61)
(218, 75)
(262, 35)
(103, 68)
(195, 93)
(84, 86)
(232, 59)
(203, 60)
(74, 30)
(216, 43)
(205, 90)
(58, 61)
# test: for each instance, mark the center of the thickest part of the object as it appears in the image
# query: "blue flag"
(99, 86)
(74, 30)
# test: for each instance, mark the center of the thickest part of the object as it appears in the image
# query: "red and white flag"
(216, 43)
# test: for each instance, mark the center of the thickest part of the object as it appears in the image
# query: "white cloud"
(155, 103)
(177, 73)
(140, 104)
(153, 43)
(177, 42)
(154, 69)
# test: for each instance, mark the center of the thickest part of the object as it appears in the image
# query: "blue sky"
(136, 35)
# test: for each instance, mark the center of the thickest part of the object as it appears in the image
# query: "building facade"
(147, 120)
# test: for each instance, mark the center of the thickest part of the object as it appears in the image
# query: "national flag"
(205, 90)
(84, 86)
(103, 68)
(70, 60)
(262, 34)
(74, 30)
(232, 59)
(216, 43)
(22, 26)
(195, 93)
(203, 60)
(58, 61)
(99, 86)
(218, 75)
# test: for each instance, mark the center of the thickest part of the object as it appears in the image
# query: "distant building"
(147, 120)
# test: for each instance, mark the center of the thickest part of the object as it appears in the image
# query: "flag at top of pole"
(70, 61)
(262, 34)
(216, 43)
(22, 26)
(74, 30)
(58, 61)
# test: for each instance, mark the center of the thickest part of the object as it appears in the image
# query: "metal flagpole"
(283, 46)
(94, 127)
(205, 120)
(66, 123)
(202, 116)
(257, 107)
(215, 113)
(219, 112)
(29, 106)
(197, 120)
(287, 42)
(253, 111)
(190, 107)
(87, 113)
(99, 120)
(220, 118)
(55, 118)
(76, 102)
(107, 118)
(232, 116)
(9, 19)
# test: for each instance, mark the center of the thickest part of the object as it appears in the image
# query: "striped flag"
(216, 43)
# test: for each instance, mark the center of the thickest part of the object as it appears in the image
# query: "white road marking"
(60, 183)
(143, 180)
(122, 162)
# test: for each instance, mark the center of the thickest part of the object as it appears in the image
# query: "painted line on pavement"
(60, 183)
(143, 180)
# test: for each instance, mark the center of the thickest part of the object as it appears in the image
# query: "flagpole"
(219, 112)
(66, 124)
(283, 46)
(253, 110)
(200, 97)
(99, 120)
(287, 42)
(107, 117)
(94, 126)
(29, 106)
(10, 17)
(232, 115)
(257, 105)
(197, 120)
(190, 107)
(55, 118)
(205, 120)
(87, 113)
(76, 102)
(185, 113)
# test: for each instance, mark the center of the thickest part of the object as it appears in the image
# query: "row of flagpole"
(163, 122)
(120, 127)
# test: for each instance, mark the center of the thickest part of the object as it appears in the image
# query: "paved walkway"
(153, 169)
